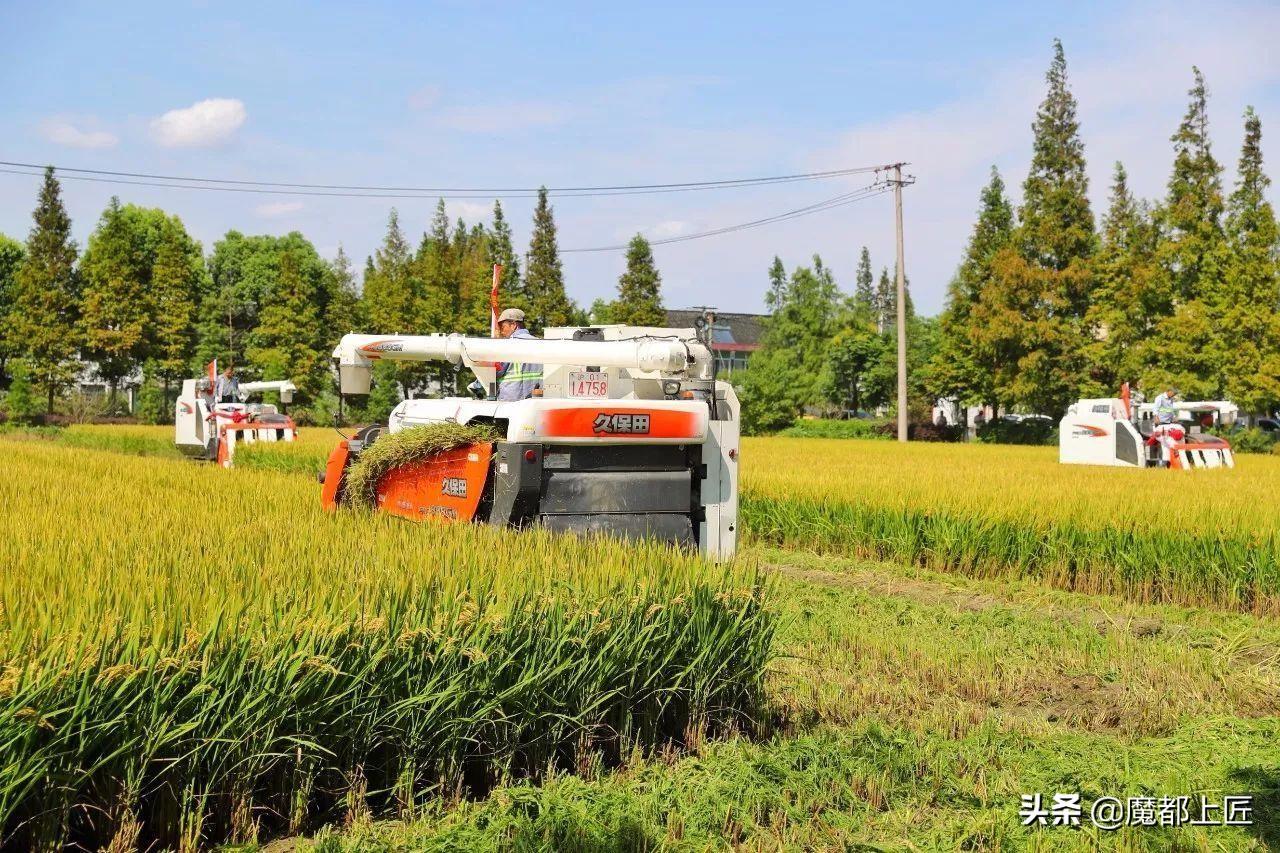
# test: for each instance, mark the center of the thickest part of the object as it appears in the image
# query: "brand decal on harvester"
(383, 346)
(455, 487)
(621, 423)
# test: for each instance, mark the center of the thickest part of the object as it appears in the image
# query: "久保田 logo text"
(621, 423)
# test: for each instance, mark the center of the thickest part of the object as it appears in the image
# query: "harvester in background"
(630, 435)
(205, 429)
(1119, 431)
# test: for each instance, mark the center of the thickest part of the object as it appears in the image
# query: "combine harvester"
(1114, 431)
(204, 429)
(631, 435)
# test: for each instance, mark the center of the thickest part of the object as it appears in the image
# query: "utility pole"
(898, 183)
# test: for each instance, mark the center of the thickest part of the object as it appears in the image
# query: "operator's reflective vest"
(1166, 411)
(517, 380)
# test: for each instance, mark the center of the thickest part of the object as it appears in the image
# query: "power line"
(370, 191)
(868, 191)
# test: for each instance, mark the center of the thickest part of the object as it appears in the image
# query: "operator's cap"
(514, 315)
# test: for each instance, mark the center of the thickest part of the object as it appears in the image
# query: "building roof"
(732, 331)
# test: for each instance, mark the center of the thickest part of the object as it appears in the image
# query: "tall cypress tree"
(639, 300)
(177, 278)
(1126, 296)
(544, 278)
(1251, 279)
(46, 302)
(962, 368)
(345, 312)
(116, 276)
(777, 292)
(502, 251)
(1056, 224)
(1191, 218)
(1186, 347)
(864, 293)
(1030, 321)
(886, 302)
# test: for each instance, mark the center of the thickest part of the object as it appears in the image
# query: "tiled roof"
(732, 330)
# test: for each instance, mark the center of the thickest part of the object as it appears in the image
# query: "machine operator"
(227, 388)
(1166, 412)
(516, 380)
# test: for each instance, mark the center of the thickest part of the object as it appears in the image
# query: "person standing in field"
(516, 380)
(227, 388)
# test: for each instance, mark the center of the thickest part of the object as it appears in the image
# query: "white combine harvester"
(631, 435)
(208, 430)
(1115, 431)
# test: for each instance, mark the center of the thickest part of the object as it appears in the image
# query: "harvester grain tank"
(631, 435)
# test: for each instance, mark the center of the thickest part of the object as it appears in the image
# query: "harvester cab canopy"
(630, 433)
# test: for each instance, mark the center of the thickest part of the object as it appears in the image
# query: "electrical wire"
(868, 191)
(370, 191)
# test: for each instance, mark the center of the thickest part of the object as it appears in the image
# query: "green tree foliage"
(1251, 283)
(790, 370)
(639, 301)
(544, 279)
(1128, 294)
(255, 282)
(864, 289)
(288, 341)
(1030, 321)
(178, 278)
(12, 253)
(502, 251)
(46, 301)
(1191, 217)
(963, 369)
(142, 276)
(1186, 347)
(777, 292)
(346, 309)
(20, 404)
(886, 299)
(116, 275)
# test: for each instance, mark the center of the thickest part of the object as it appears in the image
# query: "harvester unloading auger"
(631, 435)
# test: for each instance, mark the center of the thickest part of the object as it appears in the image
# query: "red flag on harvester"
(212, 370)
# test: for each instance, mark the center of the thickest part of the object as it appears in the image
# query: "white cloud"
(670, 228)
(65, 131)
(471, 211)
(424, 98)
(206, 123)
(274, 209)
(500, 117)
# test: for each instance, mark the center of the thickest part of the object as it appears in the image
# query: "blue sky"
(490, 94)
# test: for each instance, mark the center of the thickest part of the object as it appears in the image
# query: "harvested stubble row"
(1197, 538)
(189, 654)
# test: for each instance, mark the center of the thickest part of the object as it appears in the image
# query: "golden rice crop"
(188, 653)
(1191, 537)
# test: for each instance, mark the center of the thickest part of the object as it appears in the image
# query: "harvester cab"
(1118, 431)
(206, 429)
(631, 435)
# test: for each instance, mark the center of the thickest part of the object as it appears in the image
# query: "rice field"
(1204, 537)
(897, 656)
(190, 655)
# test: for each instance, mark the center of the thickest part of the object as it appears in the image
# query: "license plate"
(584, 383)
